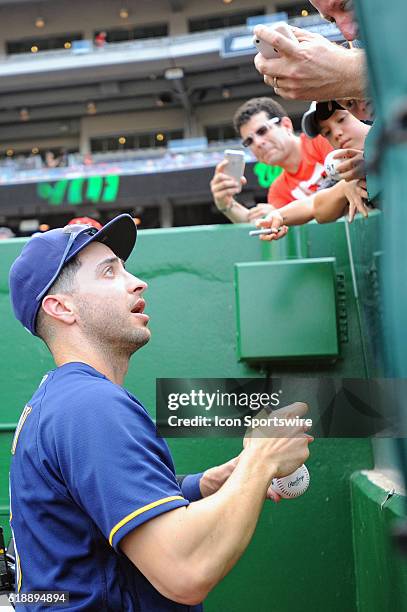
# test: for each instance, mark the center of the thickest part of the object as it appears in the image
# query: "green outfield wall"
(381, 573)
(304, 551)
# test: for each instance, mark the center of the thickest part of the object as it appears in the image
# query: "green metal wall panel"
(381, 573)
(286, 309)
(299, 544)
(383, 30)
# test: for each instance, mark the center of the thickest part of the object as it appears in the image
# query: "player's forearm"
(297, 212)
(330, 204)
(218, 529)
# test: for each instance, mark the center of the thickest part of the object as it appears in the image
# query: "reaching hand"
(353, 167)
(259, 211)
(316, 69)
(274, 220)
(356, 194)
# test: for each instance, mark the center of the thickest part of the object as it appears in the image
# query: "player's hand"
(272, 495)
(284, 446)
(356, 194)
(274, 220)
(259, 211)
(316, 69)
(213, 478)
(353, 167)
(224, 187)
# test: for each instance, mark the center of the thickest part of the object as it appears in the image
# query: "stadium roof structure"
(54, 87)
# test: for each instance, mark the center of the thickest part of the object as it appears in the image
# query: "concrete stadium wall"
(17, 20)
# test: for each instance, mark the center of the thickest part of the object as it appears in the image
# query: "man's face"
(339, 12)
(344, 131)
(274, 145)
(108, 301)
(361, 109)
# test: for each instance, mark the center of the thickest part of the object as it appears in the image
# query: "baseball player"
(96, 511)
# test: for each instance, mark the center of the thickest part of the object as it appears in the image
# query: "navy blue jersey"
(87, 469)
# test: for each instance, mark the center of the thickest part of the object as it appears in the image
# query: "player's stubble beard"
(108, 328)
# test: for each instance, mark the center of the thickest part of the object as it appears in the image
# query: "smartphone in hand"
(265, 48)
(235, 165)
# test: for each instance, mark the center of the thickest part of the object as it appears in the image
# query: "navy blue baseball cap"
(38, 266)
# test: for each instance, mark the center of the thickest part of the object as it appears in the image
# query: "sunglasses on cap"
(261, 131)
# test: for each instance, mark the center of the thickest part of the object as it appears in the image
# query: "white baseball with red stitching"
(293, 485)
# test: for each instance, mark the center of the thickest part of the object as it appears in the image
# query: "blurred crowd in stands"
(22, 169)
(339, 118)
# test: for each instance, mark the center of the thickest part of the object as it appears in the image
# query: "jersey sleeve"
(116, 468)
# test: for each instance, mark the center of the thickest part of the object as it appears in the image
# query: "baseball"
(331, 164)
(293, 485)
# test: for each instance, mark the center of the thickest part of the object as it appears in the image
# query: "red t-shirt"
(306, 181)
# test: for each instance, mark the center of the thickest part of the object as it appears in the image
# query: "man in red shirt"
(346, 133)
(265, 127)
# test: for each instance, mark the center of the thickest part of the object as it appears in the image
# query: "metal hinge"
(342, 310)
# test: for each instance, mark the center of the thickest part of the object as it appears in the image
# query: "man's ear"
(59, 307)
(287, 123)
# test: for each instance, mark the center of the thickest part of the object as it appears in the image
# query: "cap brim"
(309, 124)
(119, 235)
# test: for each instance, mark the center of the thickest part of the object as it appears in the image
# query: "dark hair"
(254, 106)
(65, 283)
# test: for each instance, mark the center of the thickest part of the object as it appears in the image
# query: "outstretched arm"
(330, 204)
(295, 213)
